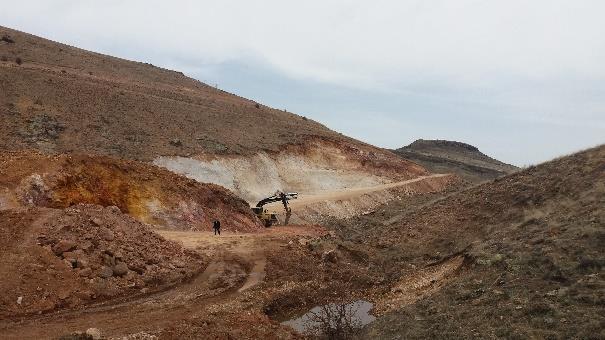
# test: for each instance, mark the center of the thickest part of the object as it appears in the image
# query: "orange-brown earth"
(54, 259)
(148, 193)
(518, 257)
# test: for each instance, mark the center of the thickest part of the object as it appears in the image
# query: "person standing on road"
(216, 225)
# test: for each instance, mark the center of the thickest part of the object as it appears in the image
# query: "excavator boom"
(277, 198)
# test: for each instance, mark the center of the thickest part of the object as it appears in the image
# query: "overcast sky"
(522, 80)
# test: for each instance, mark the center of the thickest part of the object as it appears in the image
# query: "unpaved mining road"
(158, 310)
(304, 200)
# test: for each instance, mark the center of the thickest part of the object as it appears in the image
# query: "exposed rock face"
(316, 167)
(75, 101)
(146, 192)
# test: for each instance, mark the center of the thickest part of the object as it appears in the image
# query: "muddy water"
(356, 314)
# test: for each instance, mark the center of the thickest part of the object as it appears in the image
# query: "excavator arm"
(284, 197)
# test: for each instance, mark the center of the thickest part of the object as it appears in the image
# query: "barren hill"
(61, 99)
(532, 244)
(465, 160)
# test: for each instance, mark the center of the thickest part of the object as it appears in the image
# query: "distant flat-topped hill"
(442, 156)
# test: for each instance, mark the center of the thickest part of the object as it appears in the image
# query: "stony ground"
(228, 299)
(515, 258)
(54, 259)
(518, 257)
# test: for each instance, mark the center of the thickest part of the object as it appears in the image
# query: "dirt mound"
(534, 243)
(442, 156)
(54, 259)
(148, 193)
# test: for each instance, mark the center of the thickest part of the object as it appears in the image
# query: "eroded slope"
(148, 193)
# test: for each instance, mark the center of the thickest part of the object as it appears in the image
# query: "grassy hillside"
(534, 249)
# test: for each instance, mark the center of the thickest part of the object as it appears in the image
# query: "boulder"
(94, 333)
(106, 234)
(63, 246)
(330, 256)
(105, 272)
(86, 272)
(120, 269)
(96, 221)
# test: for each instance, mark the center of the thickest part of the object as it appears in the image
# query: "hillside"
(65, 99)
(61, 99)
(147, 193)
(533, 245)
(442, 156)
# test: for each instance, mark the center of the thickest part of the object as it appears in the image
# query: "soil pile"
(54, 259)
(148, 193)
(442, 156)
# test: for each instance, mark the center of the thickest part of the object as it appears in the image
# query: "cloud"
(346, 42)
(529, 62)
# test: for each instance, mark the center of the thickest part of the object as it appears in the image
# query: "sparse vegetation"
(334, 322)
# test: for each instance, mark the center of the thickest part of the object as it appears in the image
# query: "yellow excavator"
(268, 218)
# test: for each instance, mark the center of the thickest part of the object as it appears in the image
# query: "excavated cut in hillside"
(146, 192)
(442, 156)
(534, 244)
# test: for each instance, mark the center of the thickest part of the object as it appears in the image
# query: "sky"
(522, 80)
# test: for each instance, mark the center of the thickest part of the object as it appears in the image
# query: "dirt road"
(304, 200)
(237, 264)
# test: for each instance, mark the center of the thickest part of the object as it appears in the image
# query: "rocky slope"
(533, 249)
(54, 258)
(442, 156)
(61, 99)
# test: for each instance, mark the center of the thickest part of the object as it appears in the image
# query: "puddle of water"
(354, 315)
